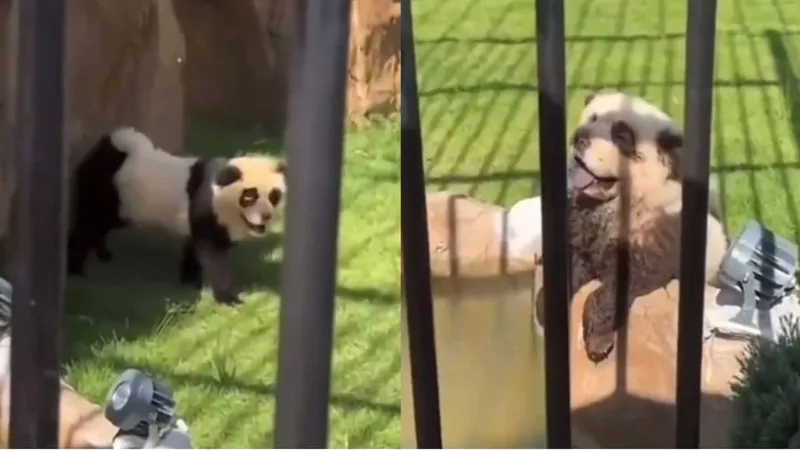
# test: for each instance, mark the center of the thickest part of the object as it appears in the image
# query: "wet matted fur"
(624, 219)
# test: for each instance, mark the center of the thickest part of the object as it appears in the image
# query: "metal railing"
(414, 245)
(38, 233)
(552, 117)
(314, 150)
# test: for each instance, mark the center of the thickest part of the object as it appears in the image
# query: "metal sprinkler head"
(136, 402)
(762, 266)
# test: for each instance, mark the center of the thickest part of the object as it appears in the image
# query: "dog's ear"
(669, 140)
(670, 144)
(228, 175)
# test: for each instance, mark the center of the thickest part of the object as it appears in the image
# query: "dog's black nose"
(581, 140)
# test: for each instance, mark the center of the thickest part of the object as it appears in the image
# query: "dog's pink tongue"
(580, 177)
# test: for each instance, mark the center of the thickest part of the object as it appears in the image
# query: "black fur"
(228, 175)
(601, 250)
(97, 205)
(670, 144)
(669, 140)
(205, 255)
(275, 196)
(624, 138)
(625, 271)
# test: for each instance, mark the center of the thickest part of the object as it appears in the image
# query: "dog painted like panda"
(604, 102)
(651, 120)
(625, 201)
(210, 204)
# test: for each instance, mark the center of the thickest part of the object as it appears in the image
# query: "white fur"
(670, 200)
(521, 227)
(614, 102)
(152, 184)
(716, 246)
(648, 119)
(716, 242)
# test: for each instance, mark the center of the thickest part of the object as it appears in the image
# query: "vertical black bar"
(555, 245)
(416, 260)
(298, 39)
(314, 145)
(701, 29)
(39, 231)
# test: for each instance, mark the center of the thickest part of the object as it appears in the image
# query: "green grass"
(222, 361)
(477, 74)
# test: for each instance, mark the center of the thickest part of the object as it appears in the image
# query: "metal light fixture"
(5, 304)
(762, 266)
(139, 405)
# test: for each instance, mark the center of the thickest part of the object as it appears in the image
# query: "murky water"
(491, 366)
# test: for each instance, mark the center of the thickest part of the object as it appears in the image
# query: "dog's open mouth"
(582, 176)
(256, 228)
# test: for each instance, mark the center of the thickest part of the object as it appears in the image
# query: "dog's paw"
(228, 298)
(599, 332)
(598, 346)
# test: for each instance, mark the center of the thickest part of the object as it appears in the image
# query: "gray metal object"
(137, 404)
(762, 266)
(5, 304)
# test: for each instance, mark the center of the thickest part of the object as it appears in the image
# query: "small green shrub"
(766, 395)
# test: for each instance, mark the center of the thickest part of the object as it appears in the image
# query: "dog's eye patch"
(275, 196)
(249, 197)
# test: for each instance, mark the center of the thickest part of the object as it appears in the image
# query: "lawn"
(222, 361)
(477, 73)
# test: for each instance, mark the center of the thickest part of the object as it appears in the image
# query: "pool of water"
(491, 365)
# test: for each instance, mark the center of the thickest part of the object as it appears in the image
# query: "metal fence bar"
(555, 243)
(314, 146)
(416, 262)
(38, 235)
(700, 40)
(297, 26)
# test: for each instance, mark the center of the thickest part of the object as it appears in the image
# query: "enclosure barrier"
(314, 147)
(700, 39)
(38, 233)
(314, 141)
(552, 117)
(414, 244)
(555, 240)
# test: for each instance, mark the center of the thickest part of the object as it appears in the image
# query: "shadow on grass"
(782, 56)
(494, 57)
(243, 399)
(484, 63)
(787, 82)
(177, 379)
(499, 86)
(349, 403)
